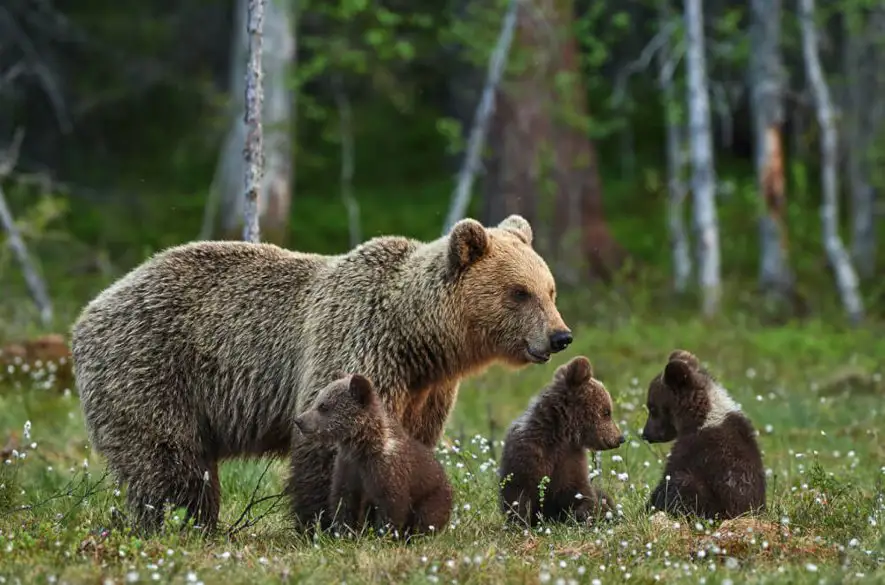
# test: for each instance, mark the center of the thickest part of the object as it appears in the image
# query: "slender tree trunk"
(775, 275)
(254, 105)
(345, 132)
(703, 173)
(840, 261)
(483, 117)
(676, 187)
(274, 196)
(35, 283)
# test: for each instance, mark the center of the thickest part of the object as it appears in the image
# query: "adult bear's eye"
(520, 293)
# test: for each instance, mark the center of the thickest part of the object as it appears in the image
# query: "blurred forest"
(719, 155)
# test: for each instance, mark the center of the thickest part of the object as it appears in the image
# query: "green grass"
(814, 392)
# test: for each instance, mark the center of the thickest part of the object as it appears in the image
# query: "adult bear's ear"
(468, 242)
(518, 226)
(361, 389)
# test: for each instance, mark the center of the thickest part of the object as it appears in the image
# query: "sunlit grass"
(813, 392)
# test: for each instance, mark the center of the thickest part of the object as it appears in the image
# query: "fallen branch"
(461, 195)
(16, 243)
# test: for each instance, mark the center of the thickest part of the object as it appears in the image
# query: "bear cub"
(715, 466)
(550, 439)
(381, 473)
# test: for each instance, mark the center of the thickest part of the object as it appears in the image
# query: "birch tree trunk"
(482, 119)
(35, 283)
(676, 187)
(274, 197)
(703, 181)
(846, 279)
(775, 275)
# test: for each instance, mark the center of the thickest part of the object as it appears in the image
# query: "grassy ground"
(814, 392)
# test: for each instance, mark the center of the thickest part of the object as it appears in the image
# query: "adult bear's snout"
(560, 340)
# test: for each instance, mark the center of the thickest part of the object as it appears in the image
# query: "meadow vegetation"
(813, 388)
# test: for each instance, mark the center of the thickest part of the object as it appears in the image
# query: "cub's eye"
(607, 413)
(652, 411)
(323, 407)
(520, 293)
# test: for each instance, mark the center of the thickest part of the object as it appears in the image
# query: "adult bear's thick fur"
(207, 350)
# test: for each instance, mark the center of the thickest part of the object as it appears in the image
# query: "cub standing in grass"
(378, 464)
(715, 466)
(550, 440)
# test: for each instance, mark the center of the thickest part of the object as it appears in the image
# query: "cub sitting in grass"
(715, 466)
(380, 471)
(550, 440)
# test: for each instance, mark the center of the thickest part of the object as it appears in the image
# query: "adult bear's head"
(505, 295)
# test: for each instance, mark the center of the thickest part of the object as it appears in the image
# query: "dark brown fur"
(715, 467)
(571, 415)
(207, 350)
(378, 466)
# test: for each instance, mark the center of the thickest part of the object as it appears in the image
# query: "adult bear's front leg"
(426, 417)
(310, 482)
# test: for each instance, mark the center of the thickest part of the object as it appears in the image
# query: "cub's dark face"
(340, 409)
(659, 426)
(589, 406)
(677, 398)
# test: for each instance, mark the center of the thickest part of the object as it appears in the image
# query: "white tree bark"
(277, 58)
(254, 106)
(479, 131)
(703, 180)
(32, 277)
(846, 279)
(768, 117)
(676, 163)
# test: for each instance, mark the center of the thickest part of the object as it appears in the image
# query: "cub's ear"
(677, 374)
(519, 226)
(361, 389)
(576, 372)
(468, 242)
(685, 356)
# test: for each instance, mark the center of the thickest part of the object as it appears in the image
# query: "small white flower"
(811, 567)
(132, 577)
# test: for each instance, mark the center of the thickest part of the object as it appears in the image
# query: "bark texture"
(703, 180)
(840, 261)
